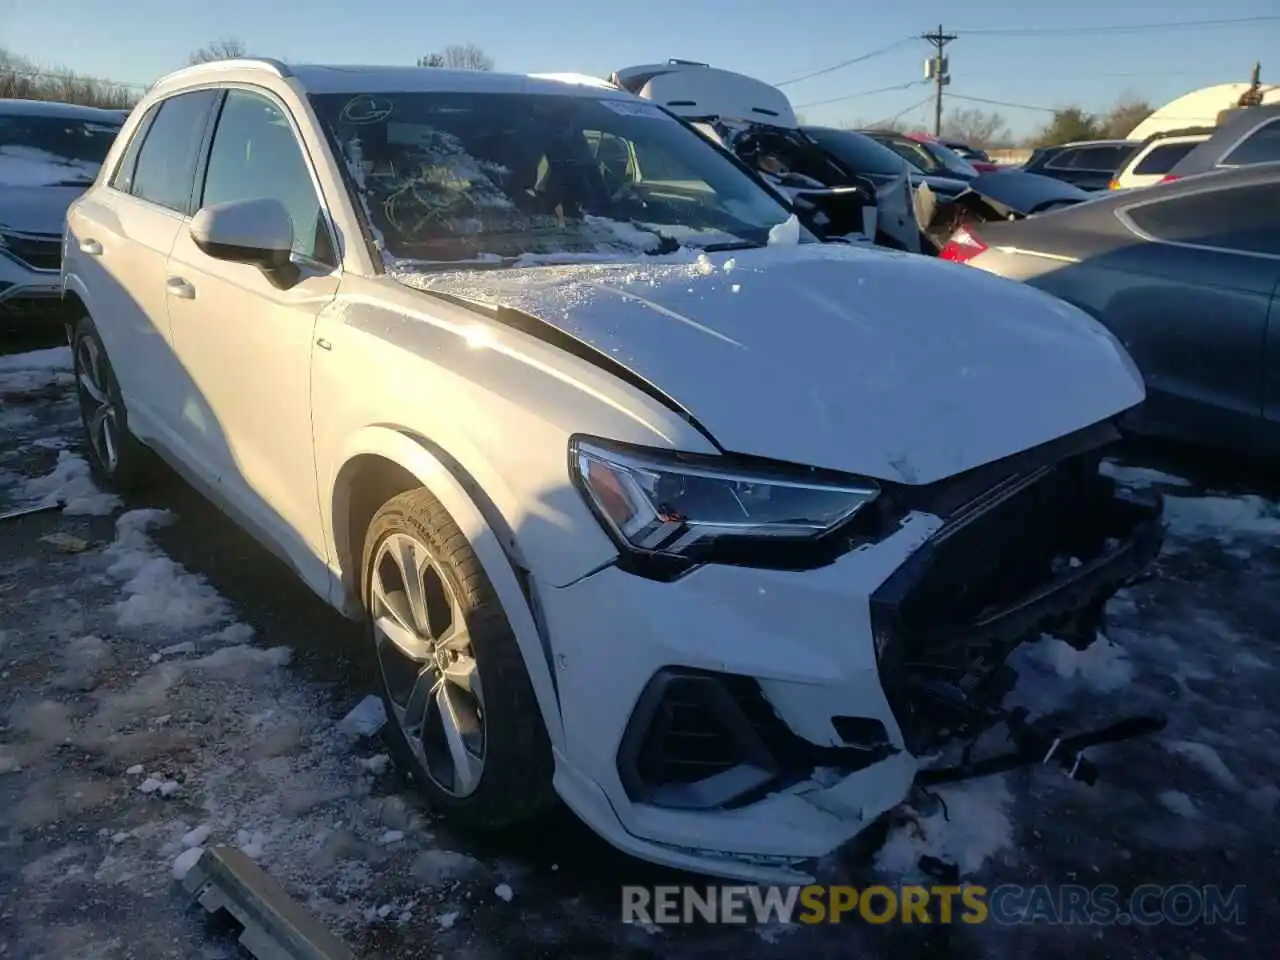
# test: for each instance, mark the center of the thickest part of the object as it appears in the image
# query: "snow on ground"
(70, 485)
(37, 370)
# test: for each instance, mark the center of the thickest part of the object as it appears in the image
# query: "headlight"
(680, 509)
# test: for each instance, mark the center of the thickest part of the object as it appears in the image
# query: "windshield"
(915, 154)
(39, 151)
(860, 153)
(950, 161)
(454, 177)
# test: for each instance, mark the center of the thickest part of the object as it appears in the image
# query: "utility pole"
(935, 69)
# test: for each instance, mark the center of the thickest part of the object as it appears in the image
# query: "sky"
(1036, 56)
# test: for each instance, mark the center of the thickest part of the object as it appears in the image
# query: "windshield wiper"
(71, 183)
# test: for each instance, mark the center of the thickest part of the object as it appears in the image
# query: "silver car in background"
(1187, 276)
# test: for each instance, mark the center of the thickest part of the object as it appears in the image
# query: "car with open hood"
(49, 154)
(835, 196)
(645, 498)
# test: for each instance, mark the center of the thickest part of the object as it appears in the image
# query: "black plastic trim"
(937, 672)
(771, 755)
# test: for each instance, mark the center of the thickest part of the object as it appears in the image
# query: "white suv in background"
(645, 497)
(1150, 163)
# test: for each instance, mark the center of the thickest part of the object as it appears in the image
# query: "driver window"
(255, 154)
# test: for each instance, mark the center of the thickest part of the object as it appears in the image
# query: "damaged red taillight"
(963, 246)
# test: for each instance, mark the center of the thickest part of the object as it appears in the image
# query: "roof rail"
(278, 67)
(676, 62)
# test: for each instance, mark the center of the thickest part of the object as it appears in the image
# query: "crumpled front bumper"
(742, 722)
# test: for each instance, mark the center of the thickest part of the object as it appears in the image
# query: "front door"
(247, 344)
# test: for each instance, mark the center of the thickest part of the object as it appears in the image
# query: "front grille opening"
(39, 253)
(686, 742)
(996, 574)
(866, 733)
(1003, 551)
(701, 740)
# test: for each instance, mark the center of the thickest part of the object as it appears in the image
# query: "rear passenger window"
(167, 161)
(1234, 218)
(122, 179)
(255, 154)
(1162, 158)
(1262, 146)
(1097, 159)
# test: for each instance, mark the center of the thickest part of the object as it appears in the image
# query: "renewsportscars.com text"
(1008, 904)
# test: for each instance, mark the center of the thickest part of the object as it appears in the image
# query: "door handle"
(92, 247)
(177, 287)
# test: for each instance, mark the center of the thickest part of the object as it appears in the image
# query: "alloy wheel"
(424, 653)
(97, 405)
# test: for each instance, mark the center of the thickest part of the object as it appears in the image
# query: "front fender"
(497, 551)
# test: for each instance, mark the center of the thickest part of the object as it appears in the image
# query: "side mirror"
(257, 232)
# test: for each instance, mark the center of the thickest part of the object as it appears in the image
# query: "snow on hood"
(42, 210)
(22, 166)
(889, 365)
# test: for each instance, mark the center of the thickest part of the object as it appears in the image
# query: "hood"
(1024, 192)
(889, 365)
(944, 186)
(36, 209)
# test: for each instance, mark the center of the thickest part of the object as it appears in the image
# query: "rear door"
(123, 233)
(1192, 306)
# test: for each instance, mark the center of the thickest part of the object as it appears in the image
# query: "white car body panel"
(897, 367)
(698, 91)
(246, 399)
(868, 361)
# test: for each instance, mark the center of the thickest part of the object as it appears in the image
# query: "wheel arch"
(75, 296)
(383, 461)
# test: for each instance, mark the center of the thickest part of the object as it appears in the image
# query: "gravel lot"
(165, 684)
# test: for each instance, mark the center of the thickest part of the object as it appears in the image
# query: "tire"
(124, 465)
(513, 783)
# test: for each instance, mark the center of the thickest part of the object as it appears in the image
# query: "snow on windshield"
(40, 151)
(29, 167)
(495, 178)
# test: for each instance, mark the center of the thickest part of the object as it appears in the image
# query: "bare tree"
(458, 56)
(1124, 116)
(979, 128)
(22, 79)
(228, 48)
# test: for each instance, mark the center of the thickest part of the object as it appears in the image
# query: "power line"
(1127, 28)
(864, 93)
(1003, 103)
(847, 63)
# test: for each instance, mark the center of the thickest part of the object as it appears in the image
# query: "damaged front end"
(1006, 195)
(1042, 550)
(1036, 543)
